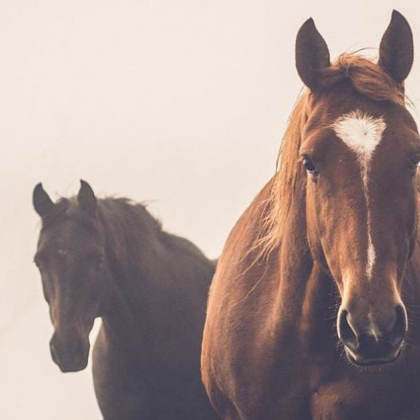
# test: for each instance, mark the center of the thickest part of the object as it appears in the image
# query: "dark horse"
(110, 258)
(314, 309)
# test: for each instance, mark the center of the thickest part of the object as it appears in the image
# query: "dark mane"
(120, 217)
(126, 224)
(135, 215)
(120, 208)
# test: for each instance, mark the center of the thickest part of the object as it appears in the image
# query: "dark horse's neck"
(150, 271)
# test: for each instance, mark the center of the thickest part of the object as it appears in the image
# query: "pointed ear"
(86, 198)
(312, 54)
(396, 50)
(41, 200)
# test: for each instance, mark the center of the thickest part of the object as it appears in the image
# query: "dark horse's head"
(74, 271)
(360, 148)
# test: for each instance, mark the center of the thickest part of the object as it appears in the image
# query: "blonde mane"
(371, 81)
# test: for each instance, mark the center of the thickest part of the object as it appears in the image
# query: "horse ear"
(312, 54)
(41, 201)
(86, 198)
(396, 51)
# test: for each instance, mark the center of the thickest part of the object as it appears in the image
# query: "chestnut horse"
(110, 258)
(314, 309)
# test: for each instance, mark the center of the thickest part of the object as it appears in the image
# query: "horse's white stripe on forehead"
(362, 134)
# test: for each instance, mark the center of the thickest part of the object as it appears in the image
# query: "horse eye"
(309, 166)
(415, 161)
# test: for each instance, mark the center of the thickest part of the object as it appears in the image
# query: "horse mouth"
(372, 361)
(73, 366)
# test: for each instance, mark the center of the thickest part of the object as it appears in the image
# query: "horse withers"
(314, 309)
(110, 258)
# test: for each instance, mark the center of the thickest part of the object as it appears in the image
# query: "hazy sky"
(179, 103)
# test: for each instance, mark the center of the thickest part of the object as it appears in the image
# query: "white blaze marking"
(362, 134)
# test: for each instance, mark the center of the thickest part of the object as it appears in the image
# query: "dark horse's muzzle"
(70, 352)
(368, 344)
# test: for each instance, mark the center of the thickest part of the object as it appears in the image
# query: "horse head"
(360, 149)
(74, 270)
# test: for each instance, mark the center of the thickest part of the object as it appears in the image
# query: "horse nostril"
(345, 332)
(399, 329)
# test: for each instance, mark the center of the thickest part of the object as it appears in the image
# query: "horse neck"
(130, 255)
(146, 276)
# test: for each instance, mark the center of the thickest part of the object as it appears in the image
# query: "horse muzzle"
(368, 344)
(71, 354)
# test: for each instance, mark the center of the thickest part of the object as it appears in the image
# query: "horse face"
(361, 212)
(361, 158)
(74, 272)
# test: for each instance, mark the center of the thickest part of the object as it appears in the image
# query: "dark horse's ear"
(41, 200)
(86, 198)
(312, 54)
(396, 50)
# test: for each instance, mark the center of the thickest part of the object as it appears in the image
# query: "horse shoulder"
(235, 281)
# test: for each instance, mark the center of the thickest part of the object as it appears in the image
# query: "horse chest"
(318, 392)
(370, 400)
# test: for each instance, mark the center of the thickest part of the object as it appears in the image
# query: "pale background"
(180, 103)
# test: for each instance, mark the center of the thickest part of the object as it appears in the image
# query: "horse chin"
(372, 363)
(72, 366)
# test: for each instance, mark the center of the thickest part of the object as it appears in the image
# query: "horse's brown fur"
(270, 348)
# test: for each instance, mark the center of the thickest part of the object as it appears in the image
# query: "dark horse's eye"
(309, 166)
(414, 162)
